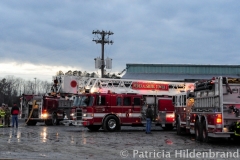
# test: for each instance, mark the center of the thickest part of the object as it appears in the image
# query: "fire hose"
(34, 106)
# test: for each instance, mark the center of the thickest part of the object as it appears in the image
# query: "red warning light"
(73, 83)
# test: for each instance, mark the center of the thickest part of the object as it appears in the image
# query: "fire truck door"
(103, 104)
(127, 109)
(166, 111)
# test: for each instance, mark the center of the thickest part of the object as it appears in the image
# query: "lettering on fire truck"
(149, 86)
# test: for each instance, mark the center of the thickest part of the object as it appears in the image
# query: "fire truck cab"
(210, 110)
(111, 111)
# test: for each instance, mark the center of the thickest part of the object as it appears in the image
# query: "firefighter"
(149, 117)
(7, 116)
(2, 115)
(237, 129)
(14, 113)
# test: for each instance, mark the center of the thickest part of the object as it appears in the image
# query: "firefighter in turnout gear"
(2, 115)
(237, 129)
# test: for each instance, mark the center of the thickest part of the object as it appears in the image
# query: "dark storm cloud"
(60, 32)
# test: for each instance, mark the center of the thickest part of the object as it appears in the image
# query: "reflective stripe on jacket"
(2, 113)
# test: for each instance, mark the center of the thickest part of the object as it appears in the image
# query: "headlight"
(44, 115)
(87, 114)
(72, 114)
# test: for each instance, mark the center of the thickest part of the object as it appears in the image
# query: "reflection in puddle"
(72, 140)
(43, 134)
(168, 141)
(84, 139)
(14, 133)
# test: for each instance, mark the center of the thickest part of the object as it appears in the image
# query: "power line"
(103, 40)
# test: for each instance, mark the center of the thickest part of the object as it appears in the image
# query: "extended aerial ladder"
(143, 87)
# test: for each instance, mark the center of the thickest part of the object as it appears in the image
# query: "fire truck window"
(179, 100)
(102, 100)
(127, 101)
(76, 101)
(91, 101)
(85, 101)
(119, 101)
(137, 101)
(173, 100)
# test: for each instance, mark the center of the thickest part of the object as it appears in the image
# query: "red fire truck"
(53, 107)
(210, 110)
(48, 109)
(117, 102)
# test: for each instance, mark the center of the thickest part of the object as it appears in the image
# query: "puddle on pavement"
(168, 141)
(44, 135)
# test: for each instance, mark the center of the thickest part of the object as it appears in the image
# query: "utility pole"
(103, 40)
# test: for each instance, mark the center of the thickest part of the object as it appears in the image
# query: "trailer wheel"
(94, 128)
(110, 123)
(197, 128)
(204, 132)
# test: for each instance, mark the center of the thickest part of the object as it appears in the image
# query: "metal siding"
(183, 69)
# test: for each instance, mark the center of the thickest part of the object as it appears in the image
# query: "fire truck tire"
(94, 128)
(110, 123)
(198, 128)
(31, 123)
(204, 132)
(178, 128)
(54, 119)
(48, 122)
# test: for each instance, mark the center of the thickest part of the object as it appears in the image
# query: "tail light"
(219, 119)
(170, 117)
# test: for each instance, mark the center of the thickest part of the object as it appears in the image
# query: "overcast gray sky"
(39, 38)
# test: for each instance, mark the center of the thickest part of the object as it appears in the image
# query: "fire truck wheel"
(48, 122)
(204, 132)
(178, 128)
(31, 123)
(54, 119)
(110, 123)
(197, 128)
(94, 128)
(168, 127)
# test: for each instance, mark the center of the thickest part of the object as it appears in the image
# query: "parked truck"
(210, 110)
(54, 106)
(105, 92)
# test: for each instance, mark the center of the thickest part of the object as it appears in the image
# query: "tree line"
(12, 88)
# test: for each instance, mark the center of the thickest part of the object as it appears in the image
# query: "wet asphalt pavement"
(70, 142)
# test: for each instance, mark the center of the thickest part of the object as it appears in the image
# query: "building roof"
(172, 77)
(180, 72)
